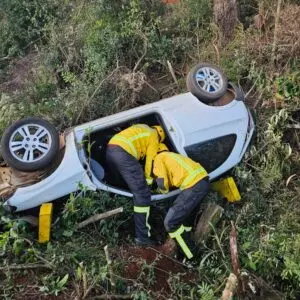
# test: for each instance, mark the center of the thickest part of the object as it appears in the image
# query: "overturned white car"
(209, 124)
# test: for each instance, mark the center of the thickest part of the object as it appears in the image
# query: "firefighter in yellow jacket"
(124, 151)
(173, 170)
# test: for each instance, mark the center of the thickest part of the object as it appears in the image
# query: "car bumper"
(249, 134)
(67, 178)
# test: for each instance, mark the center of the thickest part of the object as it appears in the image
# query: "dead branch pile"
(289, 32)
(278, 30)
(129, 85)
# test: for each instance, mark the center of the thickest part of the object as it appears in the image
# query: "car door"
(210, 135)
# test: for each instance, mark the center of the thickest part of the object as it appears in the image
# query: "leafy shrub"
(87, 204)
(288, 88)
(24, 22)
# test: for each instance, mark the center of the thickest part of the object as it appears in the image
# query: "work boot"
(144, 242)
(189, 242)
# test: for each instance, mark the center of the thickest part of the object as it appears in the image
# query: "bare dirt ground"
(19, 72)
(153, 268)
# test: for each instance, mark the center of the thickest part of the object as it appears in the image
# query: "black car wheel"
(207, 82)
(30, 144)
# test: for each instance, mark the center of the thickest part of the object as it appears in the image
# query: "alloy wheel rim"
(209, 80)
(30, 143)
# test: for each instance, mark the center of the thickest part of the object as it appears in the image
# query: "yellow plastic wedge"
(45, 219)
(227, 188)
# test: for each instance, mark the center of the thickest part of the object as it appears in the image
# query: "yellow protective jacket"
(140, 141)
(175, 170)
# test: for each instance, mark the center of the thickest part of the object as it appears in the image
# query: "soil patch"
(27, 287)
(152, 268)
(19, 72)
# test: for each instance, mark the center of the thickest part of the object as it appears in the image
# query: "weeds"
(53, 286)
(88, 60)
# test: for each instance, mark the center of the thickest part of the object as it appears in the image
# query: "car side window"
(212, 154)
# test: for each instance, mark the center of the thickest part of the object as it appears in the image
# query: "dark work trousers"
(185, 204)
(120, 161)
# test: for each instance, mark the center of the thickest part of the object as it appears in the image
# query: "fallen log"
(99, 217)
(210, 216)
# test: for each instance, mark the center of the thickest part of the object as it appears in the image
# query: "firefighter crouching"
(124, 151)
(178, 171)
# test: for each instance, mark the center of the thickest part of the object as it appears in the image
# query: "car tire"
(30, 144)
(207, 82)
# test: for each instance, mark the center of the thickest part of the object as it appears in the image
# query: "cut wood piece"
(172, 72)
(109, 266)
(211, 215)
(230, 287)
(235, 260)
(234, 251)
(99, 217)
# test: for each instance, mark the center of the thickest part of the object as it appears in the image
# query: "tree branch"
(25, 267)
(109, 266)
(98, 217)
(113, 297)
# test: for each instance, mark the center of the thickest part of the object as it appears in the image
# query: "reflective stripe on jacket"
(175, 170)
(140, 141)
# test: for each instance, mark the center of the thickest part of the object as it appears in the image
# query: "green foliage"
(24, 22)
(69, 249)
(140, 295)
(53, 286)
(13, 240)
(81, 52)
(206, 292)
(148, 272)
(8, 111)
(274, 251)
(85, 204)
(288, 87)
(273, 163)
(179, 288)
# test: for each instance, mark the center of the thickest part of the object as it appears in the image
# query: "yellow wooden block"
(45, 219)
(227, 188)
